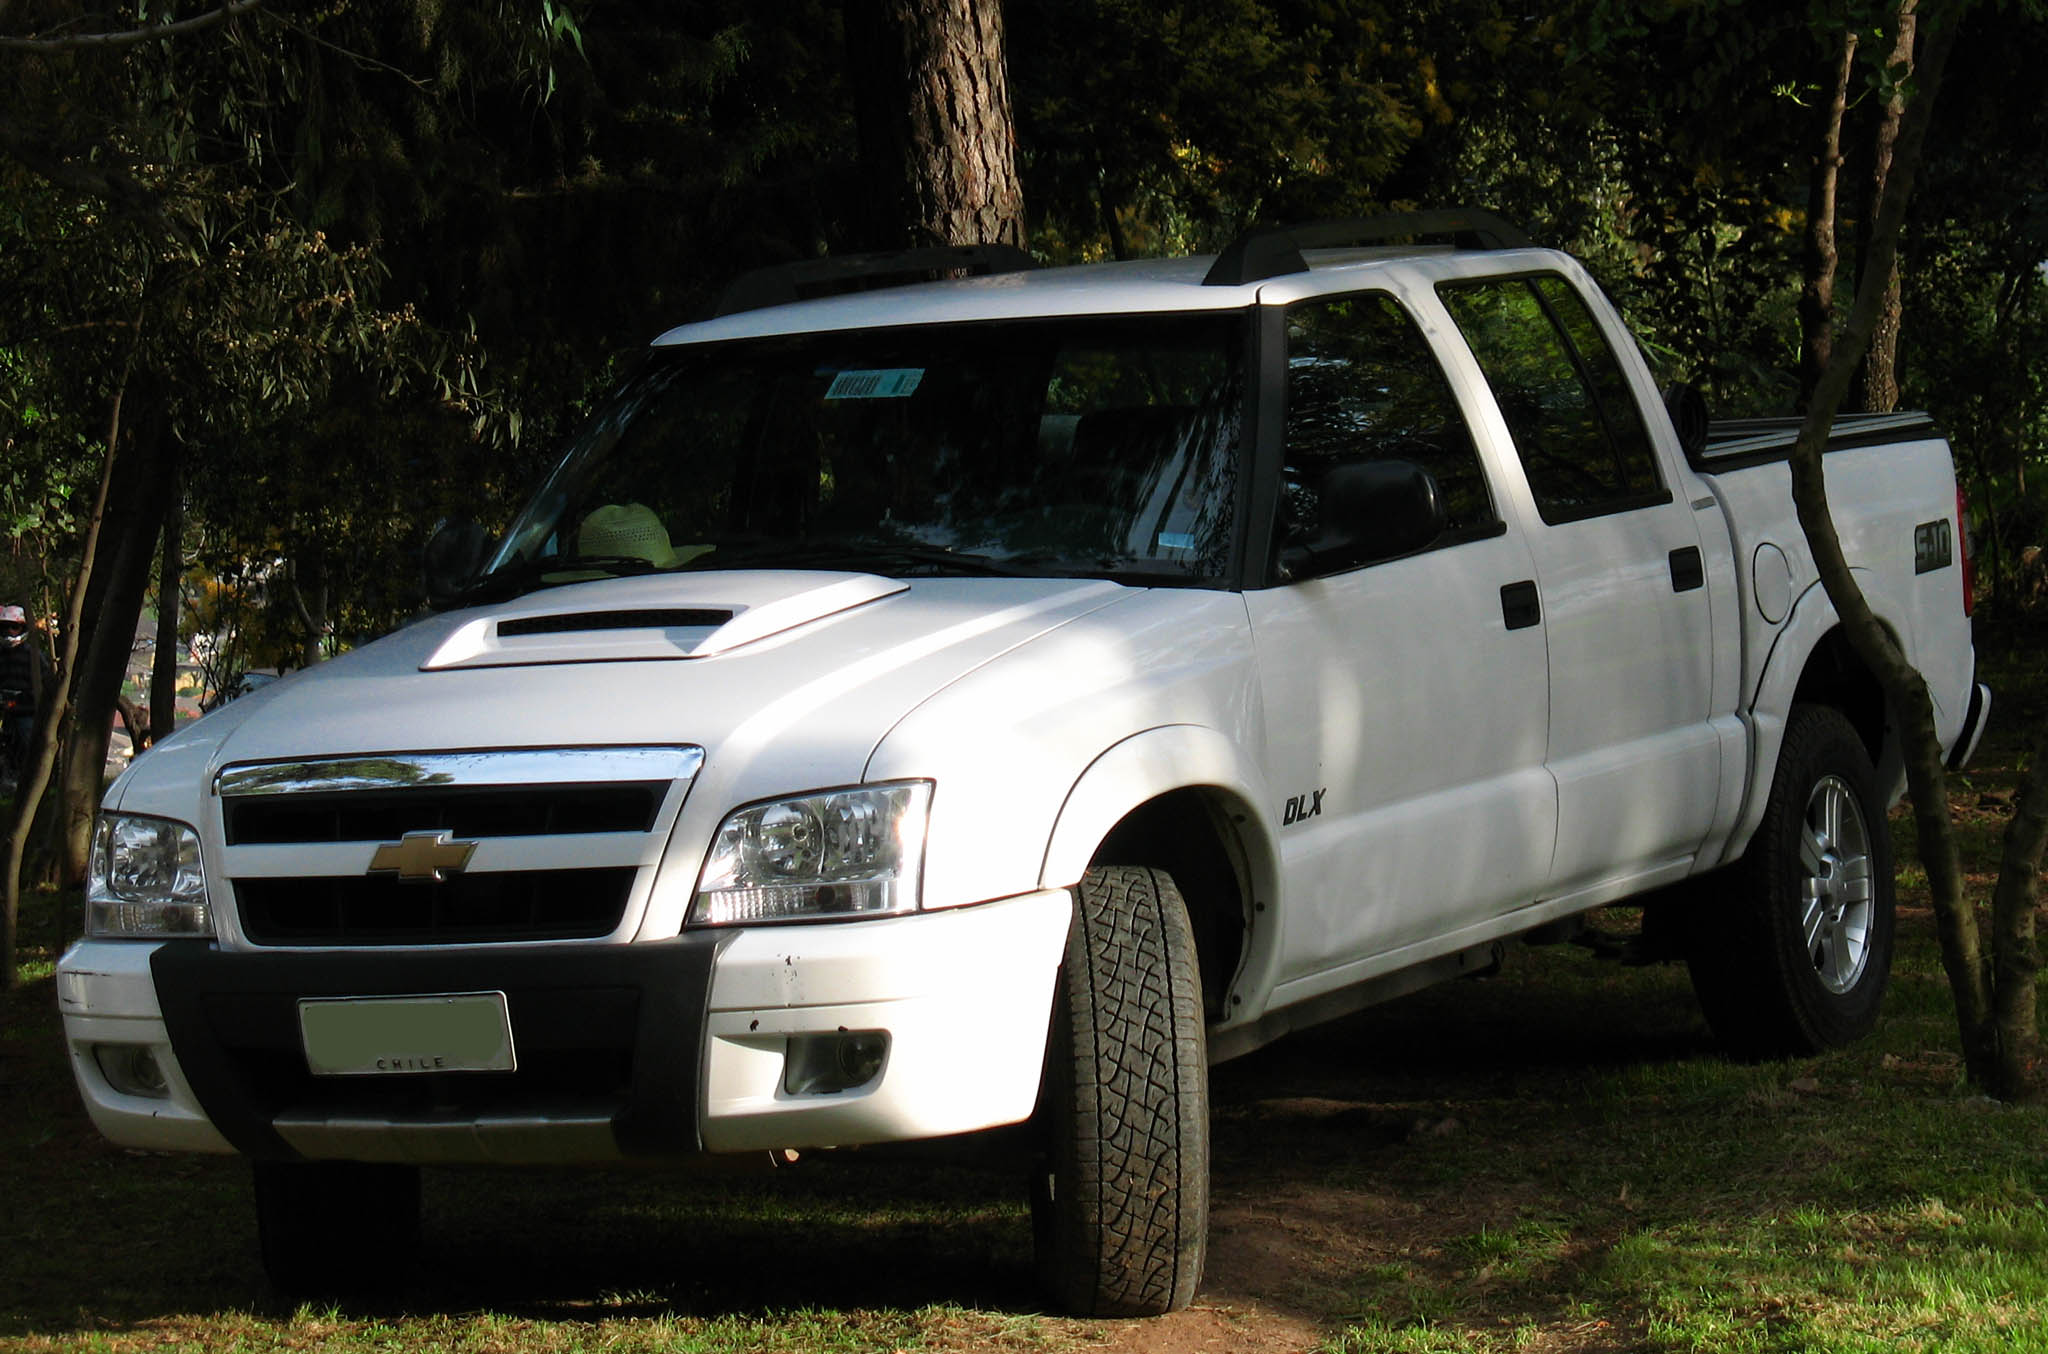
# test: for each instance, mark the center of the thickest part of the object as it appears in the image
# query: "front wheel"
(1799, 960)
(1120, 1197)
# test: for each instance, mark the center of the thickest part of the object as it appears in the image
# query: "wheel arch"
(1183, 799)
(1812, 662)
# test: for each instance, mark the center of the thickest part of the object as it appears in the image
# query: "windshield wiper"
(861, 552)
(1136, 569)
(872, 554)
(551, 571)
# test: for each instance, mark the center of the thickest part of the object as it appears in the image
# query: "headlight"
(856, 852)
(144, 879)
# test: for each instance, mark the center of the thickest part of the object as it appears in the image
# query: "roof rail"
(786, 282)
(1275, 251)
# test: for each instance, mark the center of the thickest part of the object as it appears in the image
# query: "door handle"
(1687, 572)
(1519, 606)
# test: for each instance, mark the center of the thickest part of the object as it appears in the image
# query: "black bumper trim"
(1966, 741)
(638, 1009)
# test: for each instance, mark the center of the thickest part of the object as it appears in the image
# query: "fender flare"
(1144, 766)
(1811, 620)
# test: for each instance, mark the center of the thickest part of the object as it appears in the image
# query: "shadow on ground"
(1322, 1144)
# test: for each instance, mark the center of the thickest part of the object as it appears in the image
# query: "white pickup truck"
(912, 709)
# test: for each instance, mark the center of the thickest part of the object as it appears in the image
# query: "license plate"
(387, 1036)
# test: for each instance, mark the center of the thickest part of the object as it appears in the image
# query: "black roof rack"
(786, 282)
(1275, 251)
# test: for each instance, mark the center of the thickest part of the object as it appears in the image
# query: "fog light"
(132, 1069)
(826, 1064)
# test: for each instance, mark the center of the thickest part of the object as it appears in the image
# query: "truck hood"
(698, 616)
(816, 665)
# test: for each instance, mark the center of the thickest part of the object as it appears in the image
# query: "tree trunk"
(1878, 388)
(306, 581)
(163, 674)
(1817, 297)
(131, 722)
(932, 100)
(2012, 923)
(1970, 979)
(1112, 220)
(120, 578)
(43, 760)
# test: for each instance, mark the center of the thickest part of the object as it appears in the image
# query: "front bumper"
(638, 1051)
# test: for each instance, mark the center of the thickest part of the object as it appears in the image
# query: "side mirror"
(1369, 511)
(454, 555)
(1687, 406)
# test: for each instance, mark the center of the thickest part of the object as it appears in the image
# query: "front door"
(1405, 714)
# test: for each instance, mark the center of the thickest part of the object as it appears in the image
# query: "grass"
(1626, 1189)
(1552, 1159)
(1860, 1200)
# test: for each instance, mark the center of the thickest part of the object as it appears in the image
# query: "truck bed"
(1736, 442)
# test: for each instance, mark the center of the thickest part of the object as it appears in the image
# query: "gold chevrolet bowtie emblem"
(422, 857)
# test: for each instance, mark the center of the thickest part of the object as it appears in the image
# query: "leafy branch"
(129, 37)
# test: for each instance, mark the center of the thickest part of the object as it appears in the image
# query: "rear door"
(1620, 582)
(1405, 715)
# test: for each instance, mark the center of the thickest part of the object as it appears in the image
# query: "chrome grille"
(301, 837)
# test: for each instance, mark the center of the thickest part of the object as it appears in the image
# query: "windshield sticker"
(894, 383)
(1175, 540)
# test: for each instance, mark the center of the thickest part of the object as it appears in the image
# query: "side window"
(1363, 385)
(1562, 391)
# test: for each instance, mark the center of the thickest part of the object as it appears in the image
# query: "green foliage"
(45, 471)
(1148, 130)
(373, 264)
(1976, 326)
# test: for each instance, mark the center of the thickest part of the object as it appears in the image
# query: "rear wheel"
(1799, 960)
(1120, 1197)
(329, 1227)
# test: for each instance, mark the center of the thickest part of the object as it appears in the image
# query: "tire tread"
(1127, 1091)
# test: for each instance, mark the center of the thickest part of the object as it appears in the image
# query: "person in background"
(24, 678)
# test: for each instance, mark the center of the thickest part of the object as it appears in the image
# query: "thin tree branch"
(130, 37)
(43, 760)
(362, 60)
(1905, 689)
(39, 335)
(110, 183)
(1817, 299)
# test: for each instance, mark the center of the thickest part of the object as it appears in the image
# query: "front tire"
(1799, 961)
(335, 1227)
(1120, 1198)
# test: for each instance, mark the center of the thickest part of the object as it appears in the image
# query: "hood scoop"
(653, 617)
(669, 618)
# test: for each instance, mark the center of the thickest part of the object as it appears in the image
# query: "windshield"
(1083, 447)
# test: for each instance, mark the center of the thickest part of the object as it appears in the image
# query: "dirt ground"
(1323, 1150)
(1359, 1169)
(1340, 1154)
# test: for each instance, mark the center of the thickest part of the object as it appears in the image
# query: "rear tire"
(335, 1227)
(1120, 1198)
(1798, 961)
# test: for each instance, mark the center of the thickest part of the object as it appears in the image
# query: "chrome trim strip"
(494, 855)
(1743, 437)
(406, 771)
(539, 1138)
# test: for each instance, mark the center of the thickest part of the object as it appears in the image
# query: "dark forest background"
(313, 275)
